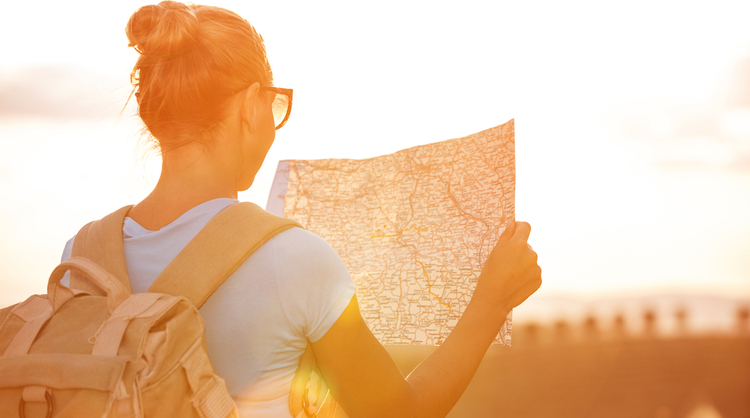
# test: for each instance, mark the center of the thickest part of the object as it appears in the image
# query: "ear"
(249, 106)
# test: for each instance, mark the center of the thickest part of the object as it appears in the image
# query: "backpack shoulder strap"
(101, 242)
(218, 250)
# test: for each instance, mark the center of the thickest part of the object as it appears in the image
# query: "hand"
(511, 273)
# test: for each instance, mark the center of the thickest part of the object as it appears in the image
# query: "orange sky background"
(632, 123)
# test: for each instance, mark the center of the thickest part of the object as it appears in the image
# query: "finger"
(525, 291)
(532, 287)
(523, 229)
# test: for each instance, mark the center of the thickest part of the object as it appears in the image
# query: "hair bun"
(166, 29)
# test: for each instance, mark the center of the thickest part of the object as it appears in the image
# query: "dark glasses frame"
(286, 92)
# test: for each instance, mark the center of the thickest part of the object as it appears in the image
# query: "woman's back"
(258, 323)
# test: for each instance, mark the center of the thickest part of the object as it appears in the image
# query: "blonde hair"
(193, 58)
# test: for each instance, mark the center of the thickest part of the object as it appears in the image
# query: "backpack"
(94, 349)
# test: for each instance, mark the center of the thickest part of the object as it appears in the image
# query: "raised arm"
(365, 380)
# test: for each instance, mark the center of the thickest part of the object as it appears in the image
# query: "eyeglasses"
(282, 105)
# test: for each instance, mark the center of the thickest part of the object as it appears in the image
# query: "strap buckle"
(22, 406)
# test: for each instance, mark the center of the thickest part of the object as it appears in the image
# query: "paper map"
(413, 227)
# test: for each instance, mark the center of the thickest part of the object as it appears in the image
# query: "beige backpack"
(97, 350)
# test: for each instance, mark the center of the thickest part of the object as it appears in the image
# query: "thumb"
(510, 229)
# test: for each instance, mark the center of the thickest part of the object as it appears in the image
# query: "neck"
(190, 175)
(195, 173)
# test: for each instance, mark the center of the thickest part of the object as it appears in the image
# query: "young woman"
(205, 93)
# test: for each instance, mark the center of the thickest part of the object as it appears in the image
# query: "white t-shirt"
(258, 323)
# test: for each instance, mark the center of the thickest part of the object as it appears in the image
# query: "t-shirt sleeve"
(313, 282)
(66, 255)
(67, 250)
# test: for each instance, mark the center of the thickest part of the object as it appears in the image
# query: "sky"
(632, 123)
